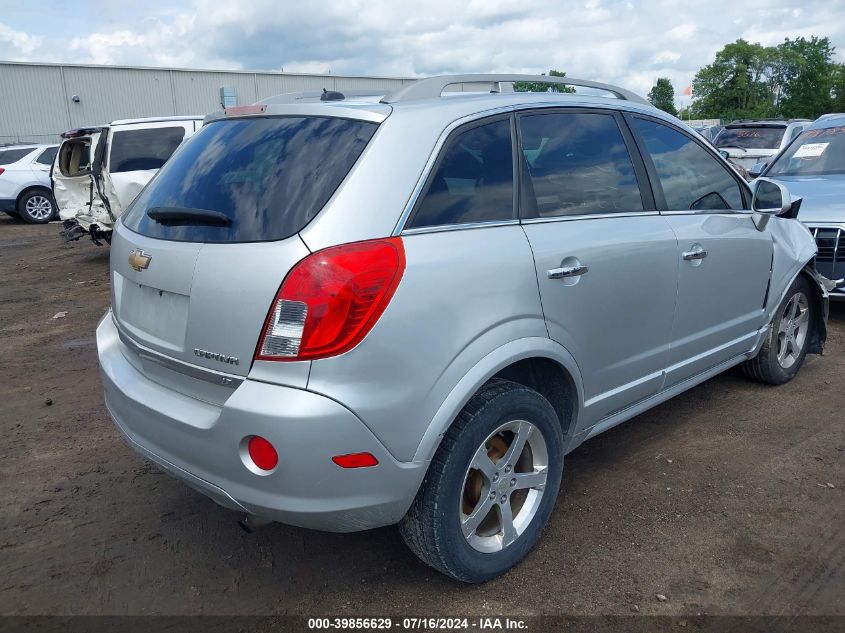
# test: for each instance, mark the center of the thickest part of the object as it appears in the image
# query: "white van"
(99, 170)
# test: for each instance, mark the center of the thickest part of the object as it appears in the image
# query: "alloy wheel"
(503, 486)
(792, 330)
(39, 207)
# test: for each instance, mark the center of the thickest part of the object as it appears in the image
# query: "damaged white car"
(99, 170)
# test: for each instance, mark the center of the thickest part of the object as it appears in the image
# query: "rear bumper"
(202, 444)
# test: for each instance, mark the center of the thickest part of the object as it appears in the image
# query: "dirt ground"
(730, 499)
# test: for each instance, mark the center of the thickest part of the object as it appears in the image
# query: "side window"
(136, 150)
(473, 181)
(691, 178)
(47, 156)
(576, 163)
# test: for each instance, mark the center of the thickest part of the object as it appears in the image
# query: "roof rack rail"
(432, 87)
(315, 96)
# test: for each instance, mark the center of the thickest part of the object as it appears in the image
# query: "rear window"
(9, 156)
(269, 176)
(136, 150)
(749, 137)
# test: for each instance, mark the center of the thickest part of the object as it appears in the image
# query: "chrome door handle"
(568, 271)
(699, 253)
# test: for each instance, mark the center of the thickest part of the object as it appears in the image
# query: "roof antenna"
(331, 95)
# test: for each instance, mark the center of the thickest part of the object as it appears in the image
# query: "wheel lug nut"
(504, 498)
(513, 482)
(495, 476)
(507, 469)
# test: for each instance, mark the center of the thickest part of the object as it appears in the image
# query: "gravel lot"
(730, 499)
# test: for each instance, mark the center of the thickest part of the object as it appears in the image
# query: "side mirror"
(757, 169)
(724, 154)
(770, 197)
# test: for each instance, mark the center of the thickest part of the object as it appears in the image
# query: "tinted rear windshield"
(9, 156)
(269, 176)
(136, 150)
(749, 137)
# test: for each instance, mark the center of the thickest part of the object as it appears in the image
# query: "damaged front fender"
(794, 252)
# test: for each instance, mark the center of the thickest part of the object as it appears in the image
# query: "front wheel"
(491, 486)
(36, 207)
(785, 348)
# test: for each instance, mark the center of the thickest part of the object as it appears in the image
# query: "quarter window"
(47, 156)
(473, 181)
(576, 163)
(690, 177)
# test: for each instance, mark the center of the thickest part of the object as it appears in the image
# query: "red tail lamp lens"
(355, 460)
(331, 299)
(262, 453)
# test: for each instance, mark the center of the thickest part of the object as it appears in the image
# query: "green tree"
(540, 86)
(662, 96)
(797, 78)
(806, 75)
(737, 85)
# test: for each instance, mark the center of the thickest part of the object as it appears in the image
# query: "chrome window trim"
(207, 375)
(589, 216)
(710, 212)
(459, 227)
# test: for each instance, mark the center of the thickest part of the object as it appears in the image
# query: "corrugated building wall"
(37, 100)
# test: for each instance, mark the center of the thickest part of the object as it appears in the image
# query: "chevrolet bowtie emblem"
(139, 260)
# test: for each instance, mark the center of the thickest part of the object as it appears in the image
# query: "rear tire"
(491, 486)
(789, 335)
(37, 207)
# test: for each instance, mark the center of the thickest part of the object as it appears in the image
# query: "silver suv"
(346, 312)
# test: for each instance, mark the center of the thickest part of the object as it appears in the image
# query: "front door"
(724, 260)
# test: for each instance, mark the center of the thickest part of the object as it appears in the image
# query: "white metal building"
(40, 101)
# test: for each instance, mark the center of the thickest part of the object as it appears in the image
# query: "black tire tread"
(417, 527)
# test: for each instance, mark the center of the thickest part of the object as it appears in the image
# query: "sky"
(624, 42)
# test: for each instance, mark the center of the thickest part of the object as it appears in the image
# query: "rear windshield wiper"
(184, 215)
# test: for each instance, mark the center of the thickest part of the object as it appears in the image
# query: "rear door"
(724, 260)
(197, 292)
(606, 260)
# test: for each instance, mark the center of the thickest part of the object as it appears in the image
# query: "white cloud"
(619, 41)
(18, 44)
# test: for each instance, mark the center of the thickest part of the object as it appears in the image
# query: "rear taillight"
(1, 171)
(331, 299)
